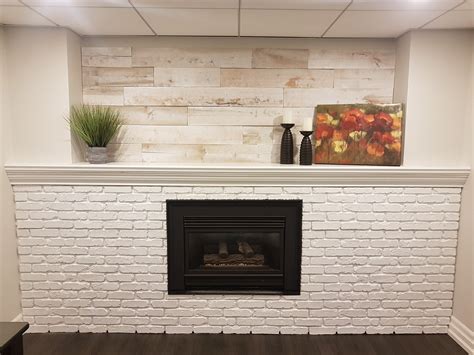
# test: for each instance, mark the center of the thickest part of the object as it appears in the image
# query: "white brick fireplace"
(379, 248)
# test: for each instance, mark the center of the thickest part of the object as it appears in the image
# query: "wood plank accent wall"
(224, 105)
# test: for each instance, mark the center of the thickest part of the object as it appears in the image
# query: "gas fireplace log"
(257, 248)
(232, 248)
(245, 249)
(233, 260)
(223, 251)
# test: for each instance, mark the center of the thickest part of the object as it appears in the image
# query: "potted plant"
(96, 126)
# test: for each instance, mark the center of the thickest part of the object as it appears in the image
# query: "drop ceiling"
(275, 18)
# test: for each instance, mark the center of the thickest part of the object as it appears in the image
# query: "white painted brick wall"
(375, 260)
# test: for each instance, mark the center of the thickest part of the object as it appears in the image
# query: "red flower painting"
(358, 134)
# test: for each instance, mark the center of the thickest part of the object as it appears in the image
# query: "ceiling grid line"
(337, 18)
(444, 13)
(238, 18)
(39, 13)
(143, 19)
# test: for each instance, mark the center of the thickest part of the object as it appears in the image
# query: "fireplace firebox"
(234, 246)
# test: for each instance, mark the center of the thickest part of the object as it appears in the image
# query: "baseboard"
(461, 335)
(18, 318)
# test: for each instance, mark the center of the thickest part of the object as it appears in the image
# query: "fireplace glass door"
(234, 246)
(234, 251)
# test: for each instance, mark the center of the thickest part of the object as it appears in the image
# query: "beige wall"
(464, 282)
(9, 279)
(433, 85)
(434, 78)
(41, 78)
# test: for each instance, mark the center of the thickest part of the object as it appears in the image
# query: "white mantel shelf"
(233, 175)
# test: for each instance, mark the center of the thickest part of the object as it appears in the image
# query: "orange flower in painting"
(339, 135)
(375, 148)
(369, 118)
(380, 125)
(355, 113)
(349, 125)
(321, 118)
(324, 131)
(384, 117)
(351, 119)
(387, 138)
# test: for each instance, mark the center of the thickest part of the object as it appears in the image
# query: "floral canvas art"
(362, 134)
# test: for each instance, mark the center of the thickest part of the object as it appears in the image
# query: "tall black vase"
(306, 149)
(286, 149)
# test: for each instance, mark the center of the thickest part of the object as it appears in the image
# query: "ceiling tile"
(467, 5)
(295, 4)
(285, 23)
(379, 23)
(94, 21)
(192, 4)
(86, 3)
(22, 16)
(10, 2)
(453, 19)
(192, 22)
(394, 5)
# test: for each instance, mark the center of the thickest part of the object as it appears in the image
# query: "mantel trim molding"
(233, 175)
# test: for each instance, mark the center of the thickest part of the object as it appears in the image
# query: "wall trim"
(234, 175)
(461, 335)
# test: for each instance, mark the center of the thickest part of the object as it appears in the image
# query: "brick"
(363, 275)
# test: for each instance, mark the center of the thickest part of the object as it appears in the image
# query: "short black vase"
(306, 149)
(286, 149)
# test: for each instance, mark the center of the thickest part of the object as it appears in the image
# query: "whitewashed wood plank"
(169, 153)
(313, 97)
(216, 153)
(238, 153)
(363, 78)
(234, 116)
(274, 78)
(192, 57)
(262, 135)
(107, 51)
(157, 116)
(161, 158)
(103, 96)
(245, 116)
(125, 152)
(280, 58)
(351, 59)
(199, 96)
(181, 134)
(106, 61)
(195, 152)
(185, 77)
(117, 76)
(299, 114)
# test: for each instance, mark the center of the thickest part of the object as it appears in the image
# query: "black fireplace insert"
(234, 246)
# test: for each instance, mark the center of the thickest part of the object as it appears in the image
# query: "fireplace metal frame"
(245, 215)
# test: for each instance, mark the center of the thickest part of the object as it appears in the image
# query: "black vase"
(306, 149)
(286, 150)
